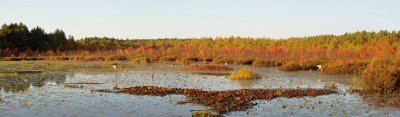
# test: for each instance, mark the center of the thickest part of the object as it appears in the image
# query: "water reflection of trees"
(22, 81)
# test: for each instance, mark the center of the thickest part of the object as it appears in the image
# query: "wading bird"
(116, 83)
(115, 66)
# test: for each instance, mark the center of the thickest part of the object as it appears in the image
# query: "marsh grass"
(344, 67)
(140, 60)
(267, 63)
(301, 66)
(205, 114)
(243, 61)
(222, 60)
(64, 65)
(290, 66)
(382, 75)
(244, 73)
(395, 102)
(184, 60)
(8, 74)
(207, 67)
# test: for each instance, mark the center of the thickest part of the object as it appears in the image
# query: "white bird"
(116, 84)
(115, 65)
(319, 67)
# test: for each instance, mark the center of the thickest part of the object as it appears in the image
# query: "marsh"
(50, 93)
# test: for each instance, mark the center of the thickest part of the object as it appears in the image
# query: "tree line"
(16, 37)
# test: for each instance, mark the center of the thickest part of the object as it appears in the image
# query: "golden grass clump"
(221, 60)
(206, 67)
(290, 66)
(204, 114)
(243, 61)
(183, 61)
(344, 67)
(140, 60)
(382, 75)
(298, 66)
(267, 63)
(244, 73)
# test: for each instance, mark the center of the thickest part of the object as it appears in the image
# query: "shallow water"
(62, 93)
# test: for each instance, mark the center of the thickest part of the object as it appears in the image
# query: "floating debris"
(213, 74)
(84, 83)
(206, 67)
(73, 86)
(226, 101)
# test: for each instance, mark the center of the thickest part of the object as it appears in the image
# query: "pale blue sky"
(203, 18)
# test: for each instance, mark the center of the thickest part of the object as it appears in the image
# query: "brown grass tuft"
(267, 63)
(290, 66)
(395, 102)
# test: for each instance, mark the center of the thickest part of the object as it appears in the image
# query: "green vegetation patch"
(244, 73)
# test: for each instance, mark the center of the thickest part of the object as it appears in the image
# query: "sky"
(139, 19)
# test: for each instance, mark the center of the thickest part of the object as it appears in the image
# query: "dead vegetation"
(226, 101)
(213, 74)
(395, 102)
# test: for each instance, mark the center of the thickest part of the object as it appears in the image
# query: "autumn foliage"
(263, 52)
(345, 67)
(382, 75)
